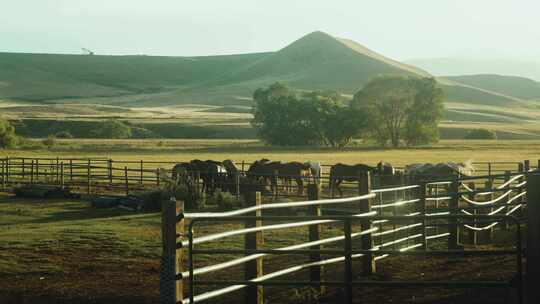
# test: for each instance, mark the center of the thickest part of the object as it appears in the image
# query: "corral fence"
(105, 175)
(463, 213)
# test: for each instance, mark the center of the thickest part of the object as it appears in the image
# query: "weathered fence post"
(532, 292)
(368, 262)
(237, 184)
(71, 170)
(23, 172)
(472, 234)
(172, 230)
(253, 269)
(88, 177)
(57, 171)
(126, 180)
(7, 170)
(453, 205)
(486, 236)
(3, 175)
(490, 172)
(62, 175)
(142, 173)
(32, 172)
(421, 208)
(506, 225)
(526, 165)
(37, 170)
(110, 169)
(315, 273)
(348, 265)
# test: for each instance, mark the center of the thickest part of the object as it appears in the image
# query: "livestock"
(350, 173)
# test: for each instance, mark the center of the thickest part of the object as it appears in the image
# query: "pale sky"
(401, 29)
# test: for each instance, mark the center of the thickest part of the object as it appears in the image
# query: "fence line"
(377, 231)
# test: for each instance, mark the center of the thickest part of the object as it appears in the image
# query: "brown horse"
(296, 171)
(265, 170)
(350, 173)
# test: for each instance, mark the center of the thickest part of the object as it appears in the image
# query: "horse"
(350, 173)
(266, 170)
(387, 174)
(180, 172)
(315, 170)
(233, 176)
(211, 172)
(439, 170)
(294, 170)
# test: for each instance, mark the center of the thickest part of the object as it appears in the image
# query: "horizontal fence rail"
(388, 221)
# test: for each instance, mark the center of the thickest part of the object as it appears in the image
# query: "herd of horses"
(264, 173)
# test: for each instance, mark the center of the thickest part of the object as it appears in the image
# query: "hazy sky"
(401, 29)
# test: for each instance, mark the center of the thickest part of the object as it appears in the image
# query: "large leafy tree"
(400, 109)
(281, 117)
(8, 138)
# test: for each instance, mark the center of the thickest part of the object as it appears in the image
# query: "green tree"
(112, 129)
(281, 118)
(8, 139)
(401, 108)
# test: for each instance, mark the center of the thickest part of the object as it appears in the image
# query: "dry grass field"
(249, 150)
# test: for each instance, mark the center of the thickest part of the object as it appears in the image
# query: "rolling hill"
(315, 61)
(519, 87)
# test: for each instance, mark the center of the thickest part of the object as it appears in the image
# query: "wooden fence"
(95, 175)
(407, 219)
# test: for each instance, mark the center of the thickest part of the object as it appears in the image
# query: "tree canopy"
(401, 108)
(283, 117)
(8, 138)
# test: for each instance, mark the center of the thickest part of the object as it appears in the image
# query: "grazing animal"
(316, 171)
(212, 173)
(294, 170)
(438, 171)
(350, 173)
(387, 174)
(233, 177)
(181, 173)
(265, 170)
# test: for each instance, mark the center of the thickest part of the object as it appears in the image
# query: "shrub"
(481, 134)
(49, 142)
(63, 134)
(8, 139)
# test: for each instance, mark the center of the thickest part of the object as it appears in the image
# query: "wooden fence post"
(490, 172)
(88, 177)
(472, 234)
(526, 165)
(32, 172)
(37, 170)
(348, 265)
(126, 180)
(532, 292)
(453, 205)
(237, 184)
(486, 236)
(506, 225)
(7, 170)
(368, 262)
(142, 173)
(253, 269)
(57, 170)
(315, 273)
(3, 175)
(71, 170)
(110, 165)
(172, 230)
(421, 208)
(62, 175)
(23, 172)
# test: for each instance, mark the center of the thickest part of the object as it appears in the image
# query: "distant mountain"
(315, 61)
(525, 67)
(519, 87)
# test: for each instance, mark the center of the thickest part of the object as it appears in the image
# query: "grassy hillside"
(519, 87)
(315, 61)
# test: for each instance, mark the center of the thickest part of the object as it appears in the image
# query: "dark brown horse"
(294, 171)
(265, 170)
(350, 173)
